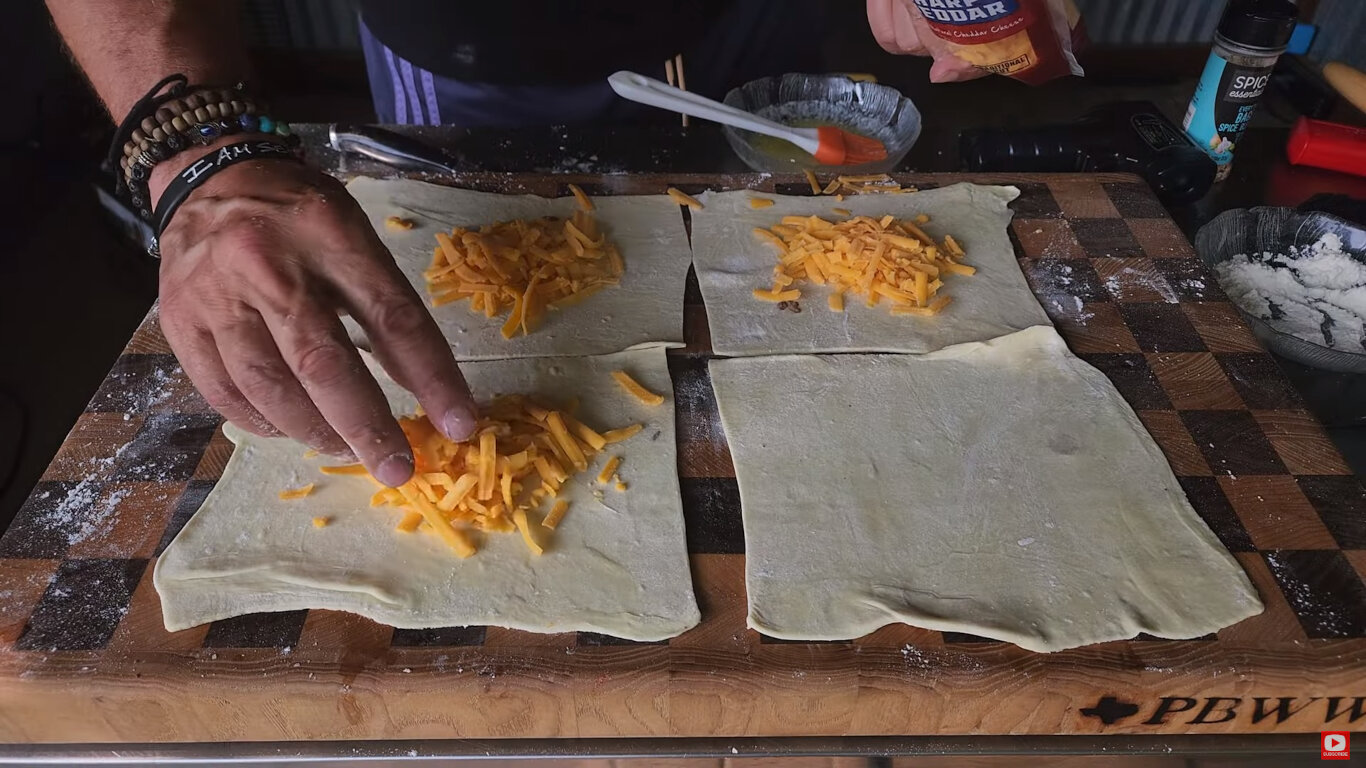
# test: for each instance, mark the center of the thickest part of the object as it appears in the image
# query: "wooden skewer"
(682, 81)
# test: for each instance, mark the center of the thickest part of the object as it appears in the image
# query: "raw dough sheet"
(732, 261)
(1003, 489)
(617, 566)
(646, 309)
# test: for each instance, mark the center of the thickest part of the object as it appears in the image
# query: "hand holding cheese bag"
(1029, 40)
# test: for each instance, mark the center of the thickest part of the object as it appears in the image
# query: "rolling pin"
(1348, 81)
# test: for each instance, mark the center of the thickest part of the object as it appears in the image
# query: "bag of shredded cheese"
(1029, 40)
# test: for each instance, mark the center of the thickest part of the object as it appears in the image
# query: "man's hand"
(259, 261)
(256, 267)
(899, 28)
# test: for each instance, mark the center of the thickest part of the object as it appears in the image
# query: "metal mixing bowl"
(875, 111)
(1255, 230)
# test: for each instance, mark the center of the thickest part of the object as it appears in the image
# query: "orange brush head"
(839, 147)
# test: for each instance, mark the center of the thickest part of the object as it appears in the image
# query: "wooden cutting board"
(84, 657)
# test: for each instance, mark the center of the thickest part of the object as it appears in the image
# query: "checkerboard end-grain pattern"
(83, 655)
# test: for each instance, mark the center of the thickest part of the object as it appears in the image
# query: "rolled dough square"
(618, 565)
(646, 309)
(731, 262)
(1001, 488)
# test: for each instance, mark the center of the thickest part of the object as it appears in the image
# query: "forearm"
(126, 46)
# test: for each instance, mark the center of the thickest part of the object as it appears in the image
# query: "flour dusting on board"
(89, 507)
(1128, 282)
(1193, 286)
(572, 161)
(157, 390)
(1307, 604)
(1060, 243)
(915, 657)
(929, 658)
(698, 419)
(83, 511)
(139, 390)
(1055, 284)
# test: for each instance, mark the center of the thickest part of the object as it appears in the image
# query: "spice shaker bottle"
(1251, 35)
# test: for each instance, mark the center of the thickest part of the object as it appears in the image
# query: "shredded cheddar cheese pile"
(524, 267)
(876, 259)
(521, 455)
(872, 183)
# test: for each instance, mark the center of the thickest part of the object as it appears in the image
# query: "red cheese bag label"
(1029, 40)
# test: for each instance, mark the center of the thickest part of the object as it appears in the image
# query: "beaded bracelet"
(193, 117)
(162, 125)
(138, 166)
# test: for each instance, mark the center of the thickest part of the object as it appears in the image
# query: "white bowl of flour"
(1298, 278)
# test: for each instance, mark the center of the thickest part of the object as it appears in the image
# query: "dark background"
(72, 290)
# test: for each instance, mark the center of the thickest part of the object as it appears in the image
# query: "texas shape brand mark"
(1212, 710)
(1336, 745)
(1110, 710)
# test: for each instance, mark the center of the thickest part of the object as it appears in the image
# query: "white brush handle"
(645, 90)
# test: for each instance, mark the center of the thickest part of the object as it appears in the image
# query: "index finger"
(330, 369)
(890, 22)
(406, 340)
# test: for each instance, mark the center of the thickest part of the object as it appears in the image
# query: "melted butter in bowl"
(809, 101)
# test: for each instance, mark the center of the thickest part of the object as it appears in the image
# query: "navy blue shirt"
(539, 42)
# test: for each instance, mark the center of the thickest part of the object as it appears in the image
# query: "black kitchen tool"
(1132, 136)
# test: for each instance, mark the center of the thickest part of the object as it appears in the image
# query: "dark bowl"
(1255, 230)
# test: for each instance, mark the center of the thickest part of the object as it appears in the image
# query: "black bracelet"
(205, 167)
(174, 117)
